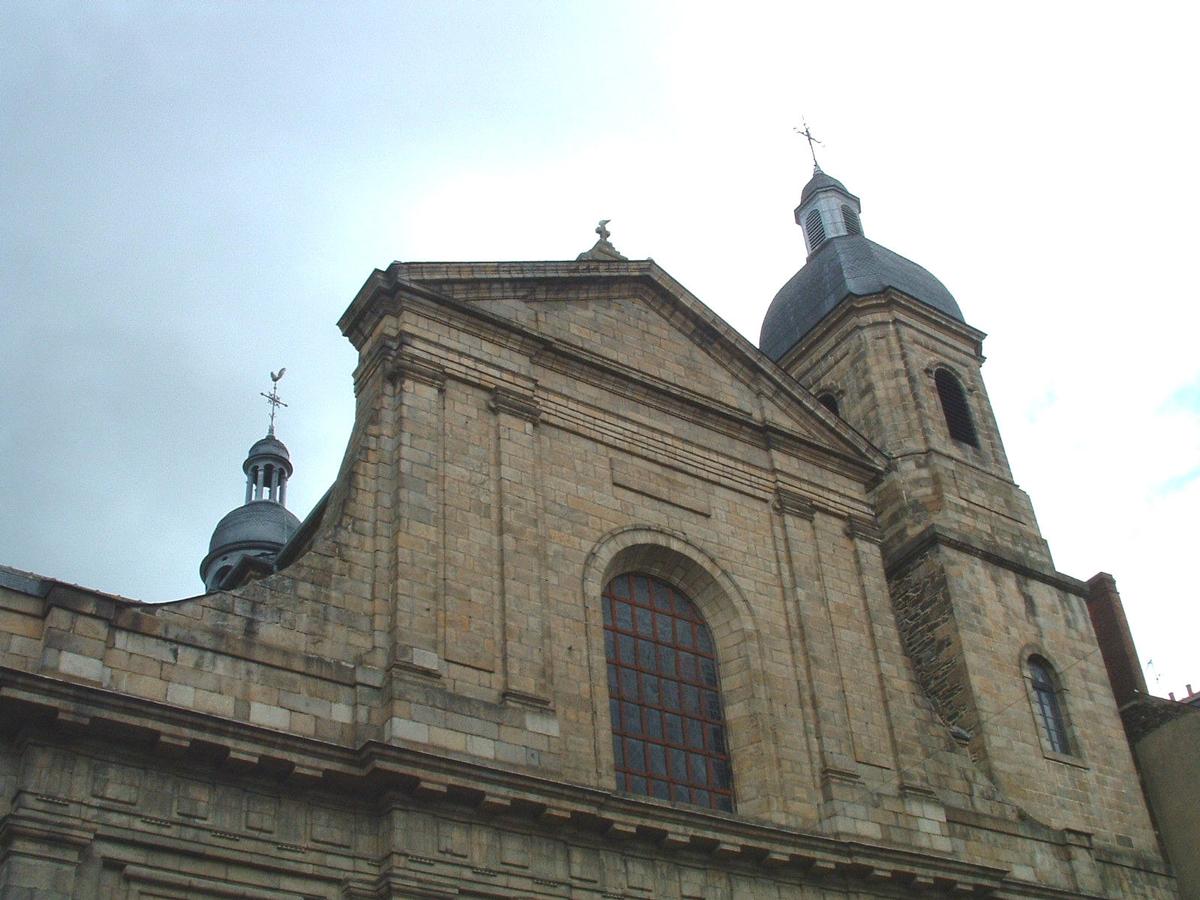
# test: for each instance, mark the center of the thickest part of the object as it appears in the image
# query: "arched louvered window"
(1048, 705)
(955, 409)
(850, 217)
(829, 401)
(664, 695)
(815, 230)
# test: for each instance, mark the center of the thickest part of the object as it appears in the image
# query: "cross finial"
(273, 399)
(811, 140)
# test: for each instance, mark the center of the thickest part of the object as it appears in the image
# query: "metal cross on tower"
(811, 140)
(273, 398)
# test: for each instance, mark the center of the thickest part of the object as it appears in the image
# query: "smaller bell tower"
(248, 538)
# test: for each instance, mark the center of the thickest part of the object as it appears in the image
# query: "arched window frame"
(956, 407)
(665, 707)
(748, 702)
(1048, 704)
(829, 400)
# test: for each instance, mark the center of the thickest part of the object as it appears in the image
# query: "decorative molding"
(862, 528)
(792, 503)
(522, 406)
(407, 367)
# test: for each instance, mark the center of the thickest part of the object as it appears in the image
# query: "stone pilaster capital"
(792, 503)
(522, 406)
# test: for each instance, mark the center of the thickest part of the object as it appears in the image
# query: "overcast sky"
(193, 192)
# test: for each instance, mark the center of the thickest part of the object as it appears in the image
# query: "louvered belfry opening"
(954, 408)
(815, 229)
(668, 726)
(850, 217)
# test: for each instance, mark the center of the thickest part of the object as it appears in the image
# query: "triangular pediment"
(635, 320)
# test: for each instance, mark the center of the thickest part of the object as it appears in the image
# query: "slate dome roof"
(819, 182)
(845, 266)
(260, 523)
(268, 445)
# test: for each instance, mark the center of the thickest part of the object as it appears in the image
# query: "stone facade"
(415, 703)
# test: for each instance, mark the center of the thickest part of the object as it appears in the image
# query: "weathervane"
(811, 140)
(273, 398)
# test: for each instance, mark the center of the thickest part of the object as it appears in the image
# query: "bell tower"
(992, 630)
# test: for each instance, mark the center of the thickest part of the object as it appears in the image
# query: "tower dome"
(842, 263)
(258, 529)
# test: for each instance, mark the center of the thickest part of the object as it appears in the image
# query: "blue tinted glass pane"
(695, 734)
(658, 759)
(683, 633)
(620, 781)
(646, 655)
(607, 611)
(666, 657)
(654, 725)
(625, 643)
(662, 629)
(645, 622)
(612, 679)
(614, 711)
(687, 667)
(629, 684)
(650, 690)
(701, 798)
(712, 705)
(724, 803)
(704, 638)
(610, 652)
(659, 789)
(680, 792)
(620, 587)
(637, 785)
(631, 718)
(635, 755)
(699, 768)
(674, 728)
(691, 700)
(670, 694)
(678, 762)
(721, 774)
(618, 752)
(662, 597)
(625, 616)
(641, 590)
(708, 673)
(716, 738)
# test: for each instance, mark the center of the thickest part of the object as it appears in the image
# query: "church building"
(605, 602)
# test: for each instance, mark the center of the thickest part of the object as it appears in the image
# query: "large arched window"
(955, 409)
(1048, 705)
(664, 696)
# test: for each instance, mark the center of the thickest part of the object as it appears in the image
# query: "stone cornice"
(378, 774)
(898, 559)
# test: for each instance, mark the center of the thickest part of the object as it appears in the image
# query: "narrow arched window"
(829, 401)
(1049, 707)
(664, 695)
(955, 409)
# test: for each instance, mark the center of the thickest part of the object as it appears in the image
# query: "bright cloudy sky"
(193, 192)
